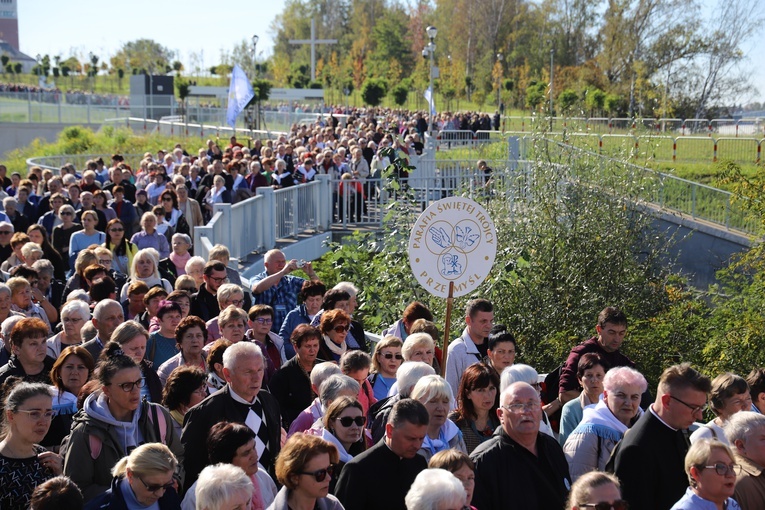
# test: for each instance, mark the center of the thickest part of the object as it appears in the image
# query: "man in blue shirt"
(277, 288)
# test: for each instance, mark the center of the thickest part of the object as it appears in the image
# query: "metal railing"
(746, 126)
(255, 224)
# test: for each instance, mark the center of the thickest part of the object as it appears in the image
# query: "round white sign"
(453, 240)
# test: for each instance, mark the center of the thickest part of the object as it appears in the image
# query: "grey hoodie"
(129, 433)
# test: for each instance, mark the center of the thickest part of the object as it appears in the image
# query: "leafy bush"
(373, 91)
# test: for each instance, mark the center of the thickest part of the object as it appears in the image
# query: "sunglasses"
(347, 421)
(116, 230)
(321, 474)
(619, 504)
(64, 213)
(389, 355)
(341, 329)
(156, 488)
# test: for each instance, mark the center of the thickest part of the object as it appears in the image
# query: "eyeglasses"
(263, 320)
(105, 262)
(619, 504)
(237, 302)
(116, 230)
(347, 421)
(390, 355)
(5, 232)
(217, 280)
(37, 414)
(128, 386)
(65, 213)
(156, 488)
(694, 409)
(321, 474)
(519, 408)
(723, 469)
(167, 199)
(71, 320)
(342, 329)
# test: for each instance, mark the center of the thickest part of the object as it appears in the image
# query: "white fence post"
(269, 232)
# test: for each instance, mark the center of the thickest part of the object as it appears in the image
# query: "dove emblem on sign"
(440, 237)
(464, 238)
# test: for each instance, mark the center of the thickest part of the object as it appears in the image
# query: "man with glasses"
(204, 304)
(473, 345)
(650, 459)
(520, 467)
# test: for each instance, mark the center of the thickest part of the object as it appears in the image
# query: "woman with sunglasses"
(305, 469)
(386, 359)
(711, 471)
(113, 422)
(142, 480)
(344, 424)
(334, 328)
(596, 490)
(24, 464)
(123, 251)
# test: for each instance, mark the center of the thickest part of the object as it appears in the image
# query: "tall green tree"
(142, 54)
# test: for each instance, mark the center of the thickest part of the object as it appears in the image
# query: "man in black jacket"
(650, 460)
(379, 478)
(241, 401)
(204, 304)
(520, 467)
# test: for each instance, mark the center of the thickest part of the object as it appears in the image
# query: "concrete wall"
(700, 249)
(14, 135)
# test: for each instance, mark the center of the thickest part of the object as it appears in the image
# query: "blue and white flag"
(239, 94)
(431, 101)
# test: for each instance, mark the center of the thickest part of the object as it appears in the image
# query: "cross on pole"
(313, 41)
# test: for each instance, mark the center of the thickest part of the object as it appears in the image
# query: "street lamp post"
(499, 80)
(255, 39)
(431, 48)
(552, 84)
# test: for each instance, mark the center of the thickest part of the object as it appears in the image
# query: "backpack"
(157, 419)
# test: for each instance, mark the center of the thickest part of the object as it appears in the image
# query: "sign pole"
(449, 304)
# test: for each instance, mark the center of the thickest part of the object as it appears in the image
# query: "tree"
(4, 59)
(17, 68)
(143, 54)
(182, 91)
(594, 99)
(399, 94)
(177, 67)
(373, 91)
(567, 99)
(535, 94)
(120, 75)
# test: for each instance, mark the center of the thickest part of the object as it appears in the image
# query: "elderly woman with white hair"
(74, 315)
(175, 263)
(435, 489)
(604, 424)
(217, 194)
(528, 374)
(436, 395)
(146, 268)
(149, 237)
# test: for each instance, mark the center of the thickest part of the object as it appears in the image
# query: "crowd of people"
(137, 375)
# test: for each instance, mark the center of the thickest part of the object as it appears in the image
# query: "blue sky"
(55, 27)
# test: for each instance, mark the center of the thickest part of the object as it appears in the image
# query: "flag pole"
(449, 304)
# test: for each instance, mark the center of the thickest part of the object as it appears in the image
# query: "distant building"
(27, 62)
(9, 23)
